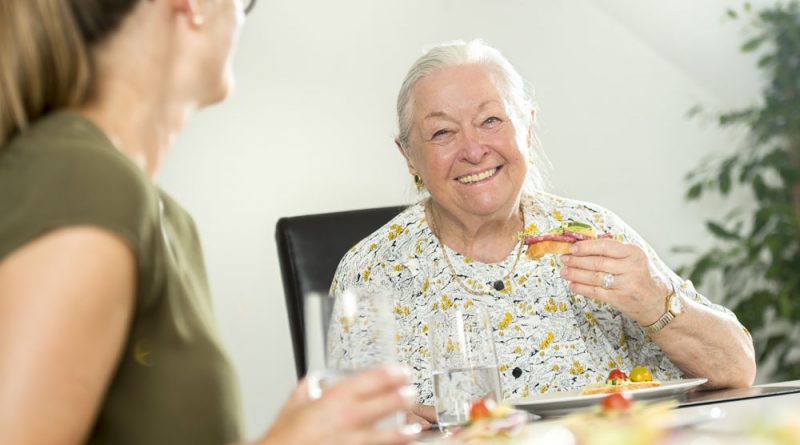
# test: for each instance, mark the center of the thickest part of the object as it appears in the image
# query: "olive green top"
(173, 383)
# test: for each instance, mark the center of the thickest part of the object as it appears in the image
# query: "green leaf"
(766, 60)
(791, 371)
(734, 117)
(772, 272)
(774, 343)
(732, 14)
(701, 267)
(750, 310)
(775, 243)
(694, 111)
(784, 305)
(694, 191)
(748, 169)
(760, 187)
(752, 44)
(777, 158)
(724, 181)
(684, 249)
(720, 232)
(760, 221)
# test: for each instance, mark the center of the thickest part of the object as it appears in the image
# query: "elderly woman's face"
(463, 143)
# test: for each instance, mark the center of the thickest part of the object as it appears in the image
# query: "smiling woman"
(561, 321)
(463, 145)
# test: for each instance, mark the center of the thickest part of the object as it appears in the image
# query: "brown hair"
(45, 63)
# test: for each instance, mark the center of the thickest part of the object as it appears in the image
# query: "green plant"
(756, 256)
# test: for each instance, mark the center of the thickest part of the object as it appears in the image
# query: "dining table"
(730, 421)
(716, 417)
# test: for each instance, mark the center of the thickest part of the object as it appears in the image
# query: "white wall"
(310, 129)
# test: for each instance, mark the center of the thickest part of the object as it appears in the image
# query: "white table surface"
(721, 423)
(741, 413)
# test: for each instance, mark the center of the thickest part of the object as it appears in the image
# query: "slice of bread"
(537, 250)
(602, 388)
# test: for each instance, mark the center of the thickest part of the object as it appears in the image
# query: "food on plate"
(618, 381)
(491, 422)
(616, 377)
(559, 240)
(618, 401)
(482, 408)
(641, 374)
(619, 421)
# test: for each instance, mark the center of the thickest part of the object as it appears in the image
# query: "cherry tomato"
(481, 408)
(616, 374)
(641, 374)
(618, 401)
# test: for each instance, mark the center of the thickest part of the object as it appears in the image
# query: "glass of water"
(463, 362)
(347, 334)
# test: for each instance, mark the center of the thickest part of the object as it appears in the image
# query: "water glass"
(463, 362)
(347, 334)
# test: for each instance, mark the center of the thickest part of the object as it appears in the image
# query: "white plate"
(565, 402)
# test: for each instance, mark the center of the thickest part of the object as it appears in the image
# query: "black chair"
(309, 250)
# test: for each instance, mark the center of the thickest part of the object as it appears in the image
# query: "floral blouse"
(547, 338)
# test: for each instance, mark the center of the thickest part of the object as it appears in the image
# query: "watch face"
(675, 305)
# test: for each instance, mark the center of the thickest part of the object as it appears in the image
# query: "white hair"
(518, 102)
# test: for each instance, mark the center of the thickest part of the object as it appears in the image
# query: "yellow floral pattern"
(547, 338)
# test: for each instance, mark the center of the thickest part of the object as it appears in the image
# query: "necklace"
(497, 285)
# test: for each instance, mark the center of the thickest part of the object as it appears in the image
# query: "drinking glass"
(348, 334)
(463, 362)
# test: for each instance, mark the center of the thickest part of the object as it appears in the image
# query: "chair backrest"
(309, 250)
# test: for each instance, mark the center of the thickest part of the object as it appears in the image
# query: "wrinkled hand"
(634, 292)
(347, 411)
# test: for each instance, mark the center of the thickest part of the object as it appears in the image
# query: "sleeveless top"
(173, 383)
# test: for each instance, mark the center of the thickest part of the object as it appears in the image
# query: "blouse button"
(516, 372)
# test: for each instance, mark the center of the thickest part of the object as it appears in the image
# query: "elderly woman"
(466, 134)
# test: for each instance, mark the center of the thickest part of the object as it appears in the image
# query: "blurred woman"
(466, 133)
(106, 327)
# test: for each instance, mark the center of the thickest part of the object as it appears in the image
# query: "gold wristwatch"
(674, 309)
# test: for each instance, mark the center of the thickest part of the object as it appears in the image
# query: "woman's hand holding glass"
(618, 274)
(347, 412)
(350, 334)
